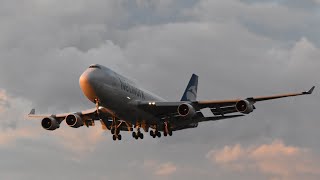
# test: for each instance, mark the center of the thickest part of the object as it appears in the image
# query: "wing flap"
(223, 110)
(217, 118)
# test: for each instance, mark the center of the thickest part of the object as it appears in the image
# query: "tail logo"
(192, 92)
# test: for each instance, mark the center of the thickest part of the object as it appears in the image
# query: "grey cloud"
(302, 5)
(45, 46)
(272, 19)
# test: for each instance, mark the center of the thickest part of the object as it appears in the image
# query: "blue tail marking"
(190, 94)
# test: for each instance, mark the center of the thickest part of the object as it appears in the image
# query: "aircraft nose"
(86, 85)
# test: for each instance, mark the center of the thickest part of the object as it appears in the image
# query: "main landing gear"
(137, 135)
(166, 131)
(116, 134)
(155, 134)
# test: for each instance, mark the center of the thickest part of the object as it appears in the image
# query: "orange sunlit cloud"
(160, 169)
(275, 159)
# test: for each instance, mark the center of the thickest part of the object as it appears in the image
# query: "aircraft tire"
(114, 137)
(170, 133)
(119, 137)
(158, 134)
(134, 134)
(141, 135)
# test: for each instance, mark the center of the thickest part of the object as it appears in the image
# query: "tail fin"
(190, 94)
(32, 112)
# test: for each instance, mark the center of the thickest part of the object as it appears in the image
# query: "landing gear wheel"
(151, 133)
(141, 135)
(114, 137)
(158, 134)
(119, 137)
(154, 136)
(134, 134)
(170, 133)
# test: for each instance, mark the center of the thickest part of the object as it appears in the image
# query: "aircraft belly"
(118, 102)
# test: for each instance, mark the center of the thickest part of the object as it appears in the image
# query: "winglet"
(32, 112)
(310, 91)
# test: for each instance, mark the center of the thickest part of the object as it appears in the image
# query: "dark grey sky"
(238, 48)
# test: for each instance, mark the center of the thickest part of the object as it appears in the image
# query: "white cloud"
(3, 101)
(12, 110)
(9, 137)
(79, 142)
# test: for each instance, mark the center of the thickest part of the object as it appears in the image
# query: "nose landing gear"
(115, 131)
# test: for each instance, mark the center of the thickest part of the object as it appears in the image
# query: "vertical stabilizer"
(32, 112)
(190, 94)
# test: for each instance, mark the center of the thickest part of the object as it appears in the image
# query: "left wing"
(253, 100)
(220, 107)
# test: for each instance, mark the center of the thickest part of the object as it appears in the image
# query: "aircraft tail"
(190, 94)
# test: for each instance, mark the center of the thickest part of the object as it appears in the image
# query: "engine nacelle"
(186, 110)
(50, 123)
(74, 120)
(244, 106)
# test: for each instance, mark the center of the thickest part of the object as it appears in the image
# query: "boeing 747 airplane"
(121, 105)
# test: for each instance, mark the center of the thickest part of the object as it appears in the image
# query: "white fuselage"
(117, 93)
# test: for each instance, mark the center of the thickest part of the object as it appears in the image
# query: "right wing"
(88, 117)
(61, 117)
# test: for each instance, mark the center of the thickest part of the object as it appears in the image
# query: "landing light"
(128, 97)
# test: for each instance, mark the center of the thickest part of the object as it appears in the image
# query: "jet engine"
(244, 106)
(74, 120)
(50, 123)
(186, 110)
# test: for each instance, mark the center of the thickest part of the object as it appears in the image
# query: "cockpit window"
(95, 66)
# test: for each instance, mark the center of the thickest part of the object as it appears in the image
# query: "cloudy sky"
(239, 48)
